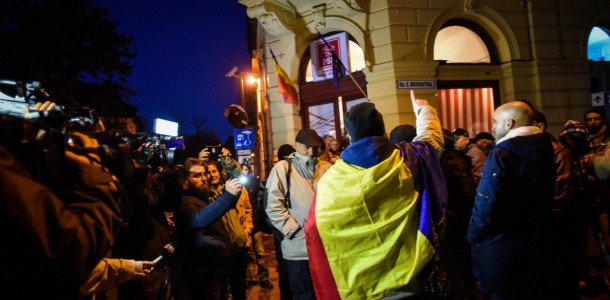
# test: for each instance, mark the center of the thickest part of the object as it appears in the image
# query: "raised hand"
(417, 103)
(204, 154)
(233, 186)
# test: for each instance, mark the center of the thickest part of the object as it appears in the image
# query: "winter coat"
(509, 227)
(477, 156)
(200, 227)
(290, 219)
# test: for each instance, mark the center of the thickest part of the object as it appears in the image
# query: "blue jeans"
(300, 279)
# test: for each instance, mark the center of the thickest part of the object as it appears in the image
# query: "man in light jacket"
(288, 205)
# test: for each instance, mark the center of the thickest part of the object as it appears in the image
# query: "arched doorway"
(465, 46)
(322, 103)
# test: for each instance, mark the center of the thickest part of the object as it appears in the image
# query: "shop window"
(458, 44)
(598, 46)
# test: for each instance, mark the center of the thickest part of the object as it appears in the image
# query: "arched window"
(458, 44)
(462, 103)
(356, 60)
(598, 46)
(322, 103)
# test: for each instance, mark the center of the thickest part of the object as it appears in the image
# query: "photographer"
(151, 192)
(55, 238)
(222, 155)
(138, 160)
(242, 215)
(146, 234)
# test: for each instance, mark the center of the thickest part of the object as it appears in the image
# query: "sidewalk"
(255, 292)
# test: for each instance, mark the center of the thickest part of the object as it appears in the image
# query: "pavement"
(254, 291)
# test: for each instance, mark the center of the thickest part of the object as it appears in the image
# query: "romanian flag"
(284, 84)
(369, 230)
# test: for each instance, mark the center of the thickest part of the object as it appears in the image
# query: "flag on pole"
(338, 67)
(284, 84)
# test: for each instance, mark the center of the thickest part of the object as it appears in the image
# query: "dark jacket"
(509, 227)
(461, 188)
(516, 190)
(52, 241)
(200, 228)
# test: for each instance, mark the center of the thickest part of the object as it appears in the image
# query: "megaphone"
(237, 116)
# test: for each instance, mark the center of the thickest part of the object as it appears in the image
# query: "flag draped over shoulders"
(363, 232)
(424, 163)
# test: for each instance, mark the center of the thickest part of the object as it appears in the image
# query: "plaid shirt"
(584, 173)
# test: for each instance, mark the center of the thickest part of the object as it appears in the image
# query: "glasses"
(307, 147)
(200, 175)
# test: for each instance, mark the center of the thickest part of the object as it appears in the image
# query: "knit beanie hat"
(574, 128)
(363, 120)
(461, 131)
(402, 133)
(309, 137)
(484, 136)
(284, 151)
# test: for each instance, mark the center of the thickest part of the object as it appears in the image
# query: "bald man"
(508, 230)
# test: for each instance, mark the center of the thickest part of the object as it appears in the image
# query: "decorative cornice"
(471, 6)
(279, 17)
(347, 8)
(317, 16)
(276, 19)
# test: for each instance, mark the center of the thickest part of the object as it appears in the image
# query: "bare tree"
(199, 123)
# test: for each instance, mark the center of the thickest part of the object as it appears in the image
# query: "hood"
(368, 151)
(531, 145)
(521, 131)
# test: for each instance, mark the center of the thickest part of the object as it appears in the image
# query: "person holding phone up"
(237, 220)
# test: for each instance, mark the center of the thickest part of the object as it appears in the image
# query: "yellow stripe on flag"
(367, 220)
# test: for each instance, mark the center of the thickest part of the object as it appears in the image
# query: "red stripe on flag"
(284, 86)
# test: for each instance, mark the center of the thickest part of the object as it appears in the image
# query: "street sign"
(416, 84)
(244, 152)
(244, 138)
(600, 99)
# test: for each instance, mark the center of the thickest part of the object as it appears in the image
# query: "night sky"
(184, 49)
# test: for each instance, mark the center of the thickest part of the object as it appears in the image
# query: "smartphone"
(243, 179)
(215, 151)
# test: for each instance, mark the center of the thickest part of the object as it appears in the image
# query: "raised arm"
(426, 123)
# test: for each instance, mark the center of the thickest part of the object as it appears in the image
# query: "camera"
(157, 151)
(17, 96)
(163, 149)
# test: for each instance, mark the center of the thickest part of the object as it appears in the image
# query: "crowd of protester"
(424, 213)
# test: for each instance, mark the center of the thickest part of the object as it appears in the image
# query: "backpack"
(265, 225)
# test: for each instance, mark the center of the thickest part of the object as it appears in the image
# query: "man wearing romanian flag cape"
(373, 224)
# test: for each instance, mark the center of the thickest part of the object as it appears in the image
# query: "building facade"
(534, 50)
